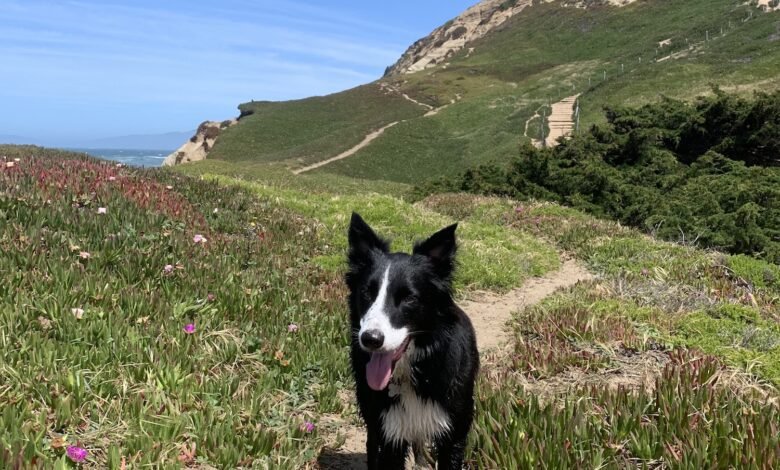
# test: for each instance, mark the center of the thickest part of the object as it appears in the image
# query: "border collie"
(414, 352)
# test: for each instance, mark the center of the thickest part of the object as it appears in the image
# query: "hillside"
(158, 318)
(520, 57)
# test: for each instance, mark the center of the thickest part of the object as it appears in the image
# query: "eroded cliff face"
(472, 24)
(199, 145)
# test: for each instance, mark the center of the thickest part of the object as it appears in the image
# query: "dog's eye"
(405, 297)
(371, 290)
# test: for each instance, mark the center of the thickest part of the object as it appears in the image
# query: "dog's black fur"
(445, 361)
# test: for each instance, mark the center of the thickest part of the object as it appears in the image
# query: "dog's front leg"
(392, 456)
(372, 447)
(450, 454)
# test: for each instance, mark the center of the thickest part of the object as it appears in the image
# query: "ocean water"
(139, 158)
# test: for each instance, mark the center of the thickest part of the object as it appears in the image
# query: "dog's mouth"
(380, 367)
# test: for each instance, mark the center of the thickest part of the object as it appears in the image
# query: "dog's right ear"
(363, 240)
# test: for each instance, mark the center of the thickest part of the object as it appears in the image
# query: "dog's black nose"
(372, 339)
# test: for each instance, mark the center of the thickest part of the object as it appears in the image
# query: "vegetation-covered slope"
(541, 55)
(202, 322)
(311, 129)
(144, 317)
(705, 173)
(613, 373)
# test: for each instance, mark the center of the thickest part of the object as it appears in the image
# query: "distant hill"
(482, 84)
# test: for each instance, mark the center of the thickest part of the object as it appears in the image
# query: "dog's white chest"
(411, 418)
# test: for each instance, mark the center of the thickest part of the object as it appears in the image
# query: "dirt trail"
(370, 137)
(489, 314)
(560, 122)
(528, 124)
(367, 140)
(391, 89)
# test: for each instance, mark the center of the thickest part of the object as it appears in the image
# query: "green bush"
(704, 173)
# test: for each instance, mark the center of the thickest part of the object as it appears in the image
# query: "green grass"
(666, 358)
(311, 129)
(691, 419)
(719, 304)
(122, 378)
(613, 373)
(278, 176)
(492, 257)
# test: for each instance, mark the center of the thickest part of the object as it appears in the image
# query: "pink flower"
(645, 272)
(211, 297)
(189, 328)
(168, 269)
(292, 328)
(102, 210)
(76, 454)
(10, 164)
(112, 178)
(78, 313)
(199, 239)
(519, 209)
(308, 427)
(85, 255)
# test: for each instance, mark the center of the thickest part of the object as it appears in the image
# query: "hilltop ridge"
(474, 23)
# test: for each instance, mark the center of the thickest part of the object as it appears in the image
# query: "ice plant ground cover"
(189, 336)
(128, 376)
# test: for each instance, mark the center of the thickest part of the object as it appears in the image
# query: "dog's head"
(395, 296)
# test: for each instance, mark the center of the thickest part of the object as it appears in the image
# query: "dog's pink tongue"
(379, 370)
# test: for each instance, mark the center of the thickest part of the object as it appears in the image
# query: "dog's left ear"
(440, 248)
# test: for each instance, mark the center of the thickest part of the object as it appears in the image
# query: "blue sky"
(96, 68)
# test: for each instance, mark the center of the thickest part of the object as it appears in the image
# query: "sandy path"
(537, 143)
(392, 89)
(489, 314)
(367, 140)
(375, 134)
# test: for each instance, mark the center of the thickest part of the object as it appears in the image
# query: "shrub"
(458, 32)
(211, 132)
(704, 172)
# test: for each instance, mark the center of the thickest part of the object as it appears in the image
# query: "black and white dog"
(414, 352)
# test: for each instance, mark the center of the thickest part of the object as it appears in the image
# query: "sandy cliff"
(472, 24)
(200, 144)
